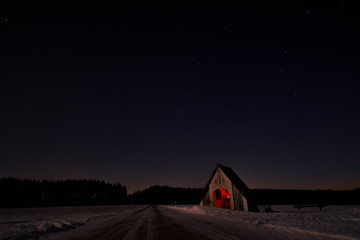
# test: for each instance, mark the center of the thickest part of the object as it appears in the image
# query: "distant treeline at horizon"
(34, 193)
(296, 197)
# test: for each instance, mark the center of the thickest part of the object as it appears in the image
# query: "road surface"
(161, 222)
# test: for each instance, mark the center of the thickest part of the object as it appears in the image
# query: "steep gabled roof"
(229, 173)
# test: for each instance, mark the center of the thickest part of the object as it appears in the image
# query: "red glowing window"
(222, 193)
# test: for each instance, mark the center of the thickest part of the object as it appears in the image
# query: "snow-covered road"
(178, 222)
(160, 222)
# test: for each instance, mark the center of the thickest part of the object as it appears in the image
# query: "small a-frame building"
(226, 190)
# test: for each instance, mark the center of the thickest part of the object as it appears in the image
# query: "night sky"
(159, 92)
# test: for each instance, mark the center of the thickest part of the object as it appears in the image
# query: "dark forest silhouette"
(33, 193)
(295, 197)
(166, 195)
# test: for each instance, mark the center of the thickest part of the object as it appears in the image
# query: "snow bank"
(35, 229)
(34, 223)
(333, 222)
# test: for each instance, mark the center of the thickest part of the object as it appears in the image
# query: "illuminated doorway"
(221, 198)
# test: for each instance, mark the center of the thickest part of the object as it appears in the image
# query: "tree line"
(170, 195)
(33, 193)
(166, 195)
(295, 197)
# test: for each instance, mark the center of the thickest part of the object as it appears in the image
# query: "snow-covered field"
(34, 223)
(333, 222)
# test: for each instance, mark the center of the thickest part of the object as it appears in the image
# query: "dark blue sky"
(158, 93)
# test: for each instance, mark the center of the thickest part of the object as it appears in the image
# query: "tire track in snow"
(167, 228)
(148, 223)
(118, 229)
(208, 229)
(158, 222)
